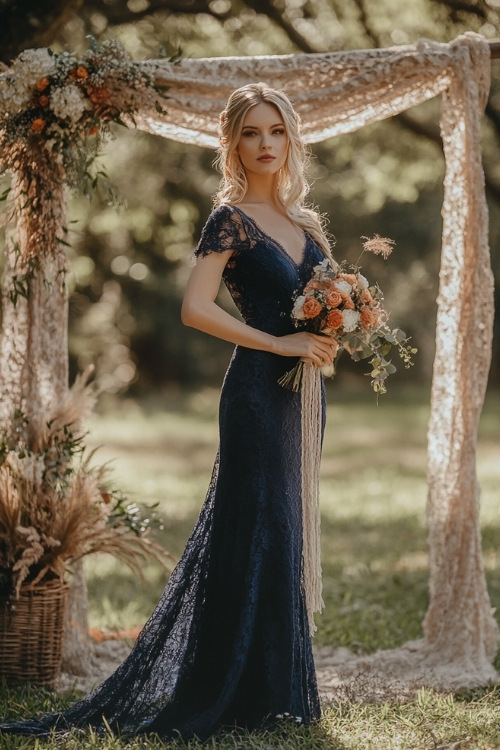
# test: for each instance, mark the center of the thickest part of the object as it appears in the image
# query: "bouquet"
(342, 303)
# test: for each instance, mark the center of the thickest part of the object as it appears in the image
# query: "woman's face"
(263, 144)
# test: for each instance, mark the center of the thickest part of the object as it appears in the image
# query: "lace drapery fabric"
(337, 93)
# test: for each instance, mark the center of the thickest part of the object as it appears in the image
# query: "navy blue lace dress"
(228, 643)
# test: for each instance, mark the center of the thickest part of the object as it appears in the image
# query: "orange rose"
(42, 84)
(333, 298)
(367, 318)
(99, 95)
(43, 100)
(367, 298)
(350, 278)
(347, 301)
(38, 125)
(81, 72)
(315, 285)
(311, 307)
(334, 320)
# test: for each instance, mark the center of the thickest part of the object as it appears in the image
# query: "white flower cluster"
(69, 103)
(16, 86)
(343, 286)
(33, 64)
(298, 312)
(13, 96)
(111, 58)
(350, 320)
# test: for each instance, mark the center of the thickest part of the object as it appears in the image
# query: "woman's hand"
(321, 349)
(200, 310)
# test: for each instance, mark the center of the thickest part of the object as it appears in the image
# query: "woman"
(229, 642)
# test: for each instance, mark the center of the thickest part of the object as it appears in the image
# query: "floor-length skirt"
(228, 643)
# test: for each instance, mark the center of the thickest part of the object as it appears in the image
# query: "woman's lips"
(266, 158)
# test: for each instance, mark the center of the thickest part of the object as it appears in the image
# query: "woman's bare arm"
(199, 310)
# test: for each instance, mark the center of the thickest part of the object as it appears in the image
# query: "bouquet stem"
(292, 380)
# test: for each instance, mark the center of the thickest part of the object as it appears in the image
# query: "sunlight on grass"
(373, 497)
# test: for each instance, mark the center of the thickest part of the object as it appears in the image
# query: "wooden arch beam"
(495, 49)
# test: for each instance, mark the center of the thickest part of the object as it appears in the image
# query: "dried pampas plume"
(53, 512)
(378, 245)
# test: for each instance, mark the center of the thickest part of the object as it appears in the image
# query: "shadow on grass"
(375, 581)
(26, 701)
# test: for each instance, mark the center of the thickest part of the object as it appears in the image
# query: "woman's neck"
(262, 191)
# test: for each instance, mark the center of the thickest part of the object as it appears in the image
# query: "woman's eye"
(279, 131)
(248, 133)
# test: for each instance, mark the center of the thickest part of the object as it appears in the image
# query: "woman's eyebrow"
(255, 127)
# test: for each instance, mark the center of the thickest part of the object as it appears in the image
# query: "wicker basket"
(31, 634)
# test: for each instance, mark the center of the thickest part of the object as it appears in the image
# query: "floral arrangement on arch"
(64, 104)
(55, 506)
(341, 302)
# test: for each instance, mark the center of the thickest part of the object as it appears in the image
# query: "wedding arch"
(335, 93)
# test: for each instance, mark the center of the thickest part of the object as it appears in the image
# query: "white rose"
(343, 286)
(323, 266)
(362, 281)
(351, 320)
(297, 311)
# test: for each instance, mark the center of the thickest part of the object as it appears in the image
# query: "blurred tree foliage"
(129, 267)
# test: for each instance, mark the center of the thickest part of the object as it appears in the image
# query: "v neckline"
(273, 240)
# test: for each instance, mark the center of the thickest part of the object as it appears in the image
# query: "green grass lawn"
(373, 497)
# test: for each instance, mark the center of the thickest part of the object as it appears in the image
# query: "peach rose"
(334, 320)
(315, 285)
(43, 100)
(347, 301)
(351, 278)
(366, 298)
(367, 318)
(81, 72)
(38, 125)
(42, 84)
(311, 307)
(333, 298)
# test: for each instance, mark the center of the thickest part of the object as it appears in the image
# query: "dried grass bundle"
(53, 513)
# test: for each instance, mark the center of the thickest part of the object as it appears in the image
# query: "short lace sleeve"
(223, 231)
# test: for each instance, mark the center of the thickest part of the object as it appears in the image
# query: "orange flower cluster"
(98, 95)
(328, 298)
(341, 303)
(42, 84)
(38, 125)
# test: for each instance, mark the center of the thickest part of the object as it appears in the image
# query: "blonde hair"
(292, 184)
